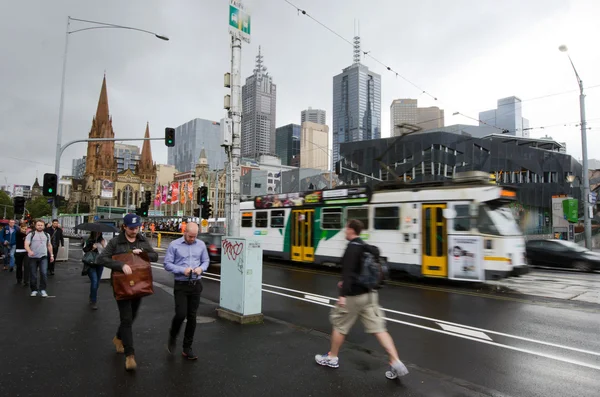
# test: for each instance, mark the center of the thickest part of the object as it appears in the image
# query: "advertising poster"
(165, 192)
(182, 187)
(174, 192)
(465, 261)
(158, 197)
(190, 190)
(106, 189)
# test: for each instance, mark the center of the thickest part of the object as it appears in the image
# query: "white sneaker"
(33, 293)
(44, 294)
(396, 370)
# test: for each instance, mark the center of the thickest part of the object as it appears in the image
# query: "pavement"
(57, 346)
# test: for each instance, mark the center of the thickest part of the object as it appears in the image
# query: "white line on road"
(316, 298)
(443, 331)
(464, 331)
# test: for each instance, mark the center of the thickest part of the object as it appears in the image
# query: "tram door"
(435, 250)
(303, 249)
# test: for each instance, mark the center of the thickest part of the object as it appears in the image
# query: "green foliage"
(5, 200)
(39, 207)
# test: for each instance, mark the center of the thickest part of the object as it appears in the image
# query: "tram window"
(462, 221)
(485, 223)
(247, 219)
(262, 219)
(387, 218)
(332, 218)
(277, 218)
(362, 214)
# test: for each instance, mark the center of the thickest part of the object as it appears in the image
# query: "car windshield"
(497, 221)
(571, 245)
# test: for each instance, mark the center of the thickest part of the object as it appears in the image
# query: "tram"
(460, 229)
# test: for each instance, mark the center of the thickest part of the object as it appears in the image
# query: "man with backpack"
(358, 297)
(37, 245)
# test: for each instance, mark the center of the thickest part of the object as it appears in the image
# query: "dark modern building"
(535, 166)
(287, 144)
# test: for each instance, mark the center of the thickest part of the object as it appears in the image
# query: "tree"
(6, 203)
(39, 207)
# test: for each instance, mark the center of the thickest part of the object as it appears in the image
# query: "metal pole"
(60, 115)
(216, 210)
(587, 225)
(236, 116)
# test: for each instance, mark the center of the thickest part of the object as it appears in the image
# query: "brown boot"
(130, 364)
(118, 345)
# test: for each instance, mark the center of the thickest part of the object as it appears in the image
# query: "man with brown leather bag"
(138, 254)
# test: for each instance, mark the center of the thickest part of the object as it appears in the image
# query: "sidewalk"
(58, 347)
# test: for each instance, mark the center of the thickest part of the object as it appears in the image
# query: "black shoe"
(93, 306)
(11, 269)
(171, 344)
(189, 353)
(25, 284)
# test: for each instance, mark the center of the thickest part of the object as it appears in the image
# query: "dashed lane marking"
(464, 331)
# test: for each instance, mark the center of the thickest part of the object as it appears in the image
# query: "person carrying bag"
(128, 256)
(92, 248)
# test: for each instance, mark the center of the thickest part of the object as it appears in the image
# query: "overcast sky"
(467, 53)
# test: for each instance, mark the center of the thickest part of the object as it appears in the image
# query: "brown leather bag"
(138, 283)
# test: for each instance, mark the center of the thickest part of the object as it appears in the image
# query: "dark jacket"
(352, 266)
(21, 239)
(88, 245)
(120, 245)
(56, 236)
(6, 236)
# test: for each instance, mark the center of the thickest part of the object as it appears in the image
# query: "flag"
(191, 190)
(182, 186)
(165, 194)
(174, 192)
(157, 198)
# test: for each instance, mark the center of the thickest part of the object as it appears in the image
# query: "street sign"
(204, 223)
(239, 21)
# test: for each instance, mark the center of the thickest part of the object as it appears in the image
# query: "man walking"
(37, 245)
(8, 238)
(357, 300)
(57, 240)
(187, 259)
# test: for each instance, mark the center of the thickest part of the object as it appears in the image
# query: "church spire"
(102, 115)
(146, 156)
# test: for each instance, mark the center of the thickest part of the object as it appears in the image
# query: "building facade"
(317, 116)
(192, 137)
(127, 156)
(508, 116)
(314, 146)
(356, 104)
(430, 118)
(259, 97)
(78, 169)
(535, 166)
(287, 143)
(406, 111)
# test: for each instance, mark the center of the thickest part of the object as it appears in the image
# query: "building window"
(387, 218)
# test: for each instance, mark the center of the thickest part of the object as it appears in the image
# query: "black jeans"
(22, 265)
(187, 300)
(128, 310)
(55, 253)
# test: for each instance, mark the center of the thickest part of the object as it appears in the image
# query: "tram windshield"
(497, 220)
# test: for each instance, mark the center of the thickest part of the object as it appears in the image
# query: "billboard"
(350, 195)
(106, 189)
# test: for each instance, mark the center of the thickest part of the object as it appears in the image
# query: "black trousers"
(187, 300)
(128, 310)
(22, 265)
(51, 264)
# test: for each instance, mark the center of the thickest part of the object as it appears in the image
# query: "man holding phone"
(187, 258)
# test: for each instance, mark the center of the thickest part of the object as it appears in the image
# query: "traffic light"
(148, 197)
(197, 212)
(19, 205)
(202, 195)
(208, 210)
(338, 168)
(50, 185)
(142, 210)
(170, 137)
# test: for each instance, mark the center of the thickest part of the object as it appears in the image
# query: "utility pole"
(233, 228)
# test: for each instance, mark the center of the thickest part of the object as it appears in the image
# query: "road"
(504, 344)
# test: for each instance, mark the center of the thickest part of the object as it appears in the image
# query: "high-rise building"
(78, 168)
(508, 117)
(356, 103)
(287, 144)
(192, 137)
(314, 146)
(259, 96)
(127, 156)
(406, 111)
(313, 115)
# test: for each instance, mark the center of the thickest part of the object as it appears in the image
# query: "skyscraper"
(192, 137)
(313, 115)
(406, 111)
(507, 116)
(356, 104)
(288, 144)
(259, 96)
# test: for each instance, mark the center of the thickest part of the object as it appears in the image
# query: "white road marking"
(316, 298)
(442, 331)
(464, 331)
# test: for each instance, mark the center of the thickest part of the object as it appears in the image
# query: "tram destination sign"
(349, 195)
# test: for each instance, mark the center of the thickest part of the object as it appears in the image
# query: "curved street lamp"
(587, 225)
(101, 25)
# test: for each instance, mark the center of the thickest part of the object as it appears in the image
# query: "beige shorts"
(366, 306)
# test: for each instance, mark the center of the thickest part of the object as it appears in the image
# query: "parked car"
(213, 244)
(561, 253)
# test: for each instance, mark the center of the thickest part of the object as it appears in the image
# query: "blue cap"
(132, 220)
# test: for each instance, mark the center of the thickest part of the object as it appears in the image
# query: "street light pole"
(102, 25)
(587, 225)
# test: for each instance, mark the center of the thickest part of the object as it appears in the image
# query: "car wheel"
(582, 266)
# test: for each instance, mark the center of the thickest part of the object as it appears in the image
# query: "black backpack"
(374, 270)
(32, 234)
